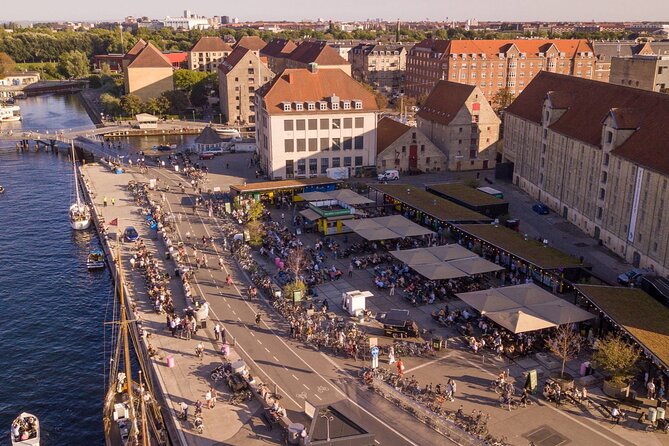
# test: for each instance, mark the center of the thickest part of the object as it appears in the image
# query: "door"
(636, 259)
(485, 164)
(597, 232)
(413, 158)
(565, 212)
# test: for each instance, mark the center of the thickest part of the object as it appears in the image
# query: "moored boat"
(25, 430)
(79, 213)
(10, 113)
(95, 260)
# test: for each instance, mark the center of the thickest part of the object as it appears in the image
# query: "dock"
(188, 380)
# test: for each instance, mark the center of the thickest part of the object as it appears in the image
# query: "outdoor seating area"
(524, 308)
(445, 262)
(327, 210)
(386, 228)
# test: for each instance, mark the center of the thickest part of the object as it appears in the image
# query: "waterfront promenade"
(189, 379)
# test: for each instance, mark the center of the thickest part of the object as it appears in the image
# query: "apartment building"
(147, 72)
(253, 43)
(494, 64)
(207, 54)
(380, 65)
(276, 52)
(649, 72)
(240, 75)
(596, 153)
(311, 119)
(606, 51)
(458, 119)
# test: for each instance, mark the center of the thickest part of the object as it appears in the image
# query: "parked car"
(207, 156)
(389, 175)
(632, 277)
(130, 234)
(540, 209)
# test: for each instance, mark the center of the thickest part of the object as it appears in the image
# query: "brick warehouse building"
(596, 153)
(494, 64)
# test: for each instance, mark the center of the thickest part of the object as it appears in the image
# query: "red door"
(413, 158)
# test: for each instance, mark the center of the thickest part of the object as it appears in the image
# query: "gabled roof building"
(147, 72)
(208, 53)
(597, 154)
(406, 148)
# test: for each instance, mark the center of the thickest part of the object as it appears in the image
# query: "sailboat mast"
(126, 351)
(145, 430)
(76, 181)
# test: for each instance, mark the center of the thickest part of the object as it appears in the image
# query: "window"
(357, 105)
(323, 105)
(313, 124)
(299, 106)
(336, 123)
(358, 142)
(301, 167)
(359, 123)
(325, 143)
(288, 125)
(251, 71)
(325, 123)
(347, 105)
(289, 145)
(313, 144)
(335, 106)
(609, 137)
(336, 162)
(348, 143)
(599, 212)
(289, 169)
(347, 161)
(301, 145)
(286, 106)
(313, 166)
(336, 144)
(358, 161)
(324, 165)
(348, 123)
(422, 148)
(311, 106)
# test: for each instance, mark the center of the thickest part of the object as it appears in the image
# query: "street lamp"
(328, 417)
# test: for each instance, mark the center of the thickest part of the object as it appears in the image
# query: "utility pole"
(120, 27)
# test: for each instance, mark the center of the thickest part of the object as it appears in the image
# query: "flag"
(114, 222)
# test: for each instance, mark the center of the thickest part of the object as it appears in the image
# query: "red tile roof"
(387, 132)
(233, 59)
(302, 85)
(492, 48)
(136, 48)
(445, 101)
(210, 43)
(253, 43)
(588, 103)
(176, 57)
(150, 57)
(278, 48)
(316, 52)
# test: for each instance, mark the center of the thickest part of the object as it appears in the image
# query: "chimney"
(313, 67)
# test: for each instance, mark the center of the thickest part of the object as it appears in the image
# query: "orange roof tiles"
(303, 85)
(210, 43)
(278, 48)
(445, 101)
(316, 52)
(588, 103)
(492, 48)
(136, 48)
(253, 43)
(233, 59)
(150, 57)
(387, 132)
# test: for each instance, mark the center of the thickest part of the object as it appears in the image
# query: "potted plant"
(617, 358)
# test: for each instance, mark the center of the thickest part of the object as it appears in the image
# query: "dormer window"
(323, 105)
(357, 104)
(335, 106)
(299, 106)
(286, 106)
(311, 106)
(347, 105)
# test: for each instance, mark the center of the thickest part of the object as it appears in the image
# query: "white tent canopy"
(386, 228)
(445, 262)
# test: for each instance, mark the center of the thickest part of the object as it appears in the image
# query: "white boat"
(96, 260)
(10, 113)
(80, 213)
(25, 430)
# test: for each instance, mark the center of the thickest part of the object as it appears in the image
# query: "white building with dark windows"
(311, 119)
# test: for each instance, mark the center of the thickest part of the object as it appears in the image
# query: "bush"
(617, 358)
(291, 288)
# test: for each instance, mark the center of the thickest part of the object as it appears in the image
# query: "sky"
(295, 10)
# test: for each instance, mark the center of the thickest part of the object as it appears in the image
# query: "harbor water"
(52, 331)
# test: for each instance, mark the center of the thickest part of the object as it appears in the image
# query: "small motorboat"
(25, 430)
(96, 260)
(2, 189)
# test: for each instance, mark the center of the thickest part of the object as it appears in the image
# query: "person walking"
(228, 280)
(113, 201)
(392, 289)
(220, 263)
(104, 201)
(217, 331)
(184, 410)
(208, 399)
(391, 355)
(350, 269)
(650, 387)
(400, 368)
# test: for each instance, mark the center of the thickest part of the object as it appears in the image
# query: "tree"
(73, 64)
(502, 99)
(7, 65)
(110, 104)
(256, 232)
(178, 101)
(156, 106)
(617, 358)
(565, 343)
(186, 79)
(131, 104)
(256, 211)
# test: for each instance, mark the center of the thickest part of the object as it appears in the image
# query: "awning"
(310, 214)
(439, 271)
(528, 294)
(486, 301)
(519, 321)
(475, 265)
(561, 312)
(450, 252)
(376, 234)
(349, 197)
(412, 257)
(315, 196)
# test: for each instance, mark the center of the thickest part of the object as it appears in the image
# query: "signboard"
(375, 356)
(531, 382)
(373, 342)
(228, 208)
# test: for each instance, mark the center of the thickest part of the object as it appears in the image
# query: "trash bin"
(584, 368)
(170, 362)
(437, 343)
(660, 413)
(225, 350)
(652, 414)
(294, 431)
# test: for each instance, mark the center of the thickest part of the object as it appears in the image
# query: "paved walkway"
(188, 380)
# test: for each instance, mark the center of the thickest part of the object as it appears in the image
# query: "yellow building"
(596, 153)
(147, 72)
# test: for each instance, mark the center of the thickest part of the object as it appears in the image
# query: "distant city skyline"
(342, 10)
